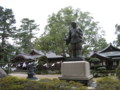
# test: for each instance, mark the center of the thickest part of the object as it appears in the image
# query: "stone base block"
(76, 71)
(32, 77)
(84, 81)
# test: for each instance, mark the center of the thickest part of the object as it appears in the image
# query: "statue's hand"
(64, 38)
(67, 41)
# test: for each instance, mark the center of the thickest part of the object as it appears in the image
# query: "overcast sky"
(107, 12)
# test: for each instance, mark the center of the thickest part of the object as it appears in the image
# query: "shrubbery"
(13, 83)
(102, 73)
(108, 83)
(40, 69)
(118, 72)
(64, 85)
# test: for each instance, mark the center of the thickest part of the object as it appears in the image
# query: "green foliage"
(106, 71)
(40, 69)
(102, 73)
(25, 35)
(94, 60)
(7, 30)
(12, 83)
(117, 41)
(7, 22)
(61, 84)
(118, 72)
(6, 54)
(58, 24)
(108, 83)
(42, 60)
(100, 44)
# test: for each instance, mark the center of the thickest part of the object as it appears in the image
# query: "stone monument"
(75, 68)
(31, 71)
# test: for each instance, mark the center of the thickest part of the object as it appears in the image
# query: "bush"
(13, 83)
(101, 73)
(64, 85)
(108, 83)
(40, 69)
(118, 72)
(106, 71)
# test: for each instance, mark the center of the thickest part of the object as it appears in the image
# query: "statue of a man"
(74, 38)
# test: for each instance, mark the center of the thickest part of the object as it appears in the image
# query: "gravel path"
(24, 75)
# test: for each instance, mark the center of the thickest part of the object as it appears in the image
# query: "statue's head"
(73, 24)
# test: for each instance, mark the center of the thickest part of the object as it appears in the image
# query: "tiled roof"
(35, 54)
(109, 48)
(109, 52)
(52, 55)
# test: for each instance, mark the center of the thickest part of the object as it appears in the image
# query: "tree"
(41, 62)
(25, 34)
(118, 72)
(7, 30)
(100, 44)
(117, 32)
(58, 24)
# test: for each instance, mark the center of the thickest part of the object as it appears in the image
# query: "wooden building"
(52, 57)
(109, 56)
(27, 57)
(54, 61)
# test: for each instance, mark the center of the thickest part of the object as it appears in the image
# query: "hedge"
(13, 83)
(108, 83)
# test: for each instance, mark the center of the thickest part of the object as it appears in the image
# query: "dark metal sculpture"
(74, 38)
(31, 71)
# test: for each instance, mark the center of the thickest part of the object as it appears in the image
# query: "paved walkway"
(24, 75)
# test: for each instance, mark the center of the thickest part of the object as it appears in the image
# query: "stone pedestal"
(76, 71)
(32, 77)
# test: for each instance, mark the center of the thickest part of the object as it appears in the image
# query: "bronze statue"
(74, 38)
(31, 71)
